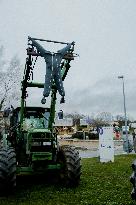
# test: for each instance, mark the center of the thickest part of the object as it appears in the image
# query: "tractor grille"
(41, 142)
(41, 136)
(46, 148)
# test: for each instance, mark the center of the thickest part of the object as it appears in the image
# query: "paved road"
(89, 149)
(95, 153)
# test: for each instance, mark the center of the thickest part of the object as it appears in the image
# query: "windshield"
(39, 121)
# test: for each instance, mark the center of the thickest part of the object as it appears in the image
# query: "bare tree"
(101, 119)
(105, 117)
(10, 78)
(76, 117)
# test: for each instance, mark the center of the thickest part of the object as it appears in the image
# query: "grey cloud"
(105, 95)
(105, 36)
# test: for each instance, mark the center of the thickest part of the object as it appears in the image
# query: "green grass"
(101, 183)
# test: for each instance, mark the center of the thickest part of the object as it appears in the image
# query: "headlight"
(36, 143)
(46, 143)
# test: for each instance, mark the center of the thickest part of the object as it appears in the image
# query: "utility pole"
(125, 115)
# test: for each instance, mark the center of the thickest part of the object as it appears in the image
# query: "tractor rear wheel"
(11, 169)
(134, 144)
(7, 170)
(3, 169)
(70, 171)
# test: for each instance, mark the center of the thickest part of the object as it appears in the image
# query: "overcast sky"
(105, 36)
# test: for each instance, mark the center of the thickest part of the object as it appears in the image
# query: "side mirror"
(60, 115)
(6, 112)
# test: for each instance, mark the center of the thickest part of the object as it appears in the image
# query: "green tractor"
(29, 145)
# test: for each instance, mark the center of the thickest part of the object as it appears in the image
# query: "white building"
(68, 122)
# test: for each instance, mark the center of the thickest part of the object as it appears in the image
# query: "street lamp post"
(124, 102)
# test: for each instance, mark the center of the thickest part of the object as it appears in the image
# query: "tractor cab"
(33, 117)
(33, 136)
(36, 118)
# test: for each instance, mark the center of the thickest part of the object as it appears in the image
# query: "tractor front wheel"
(70, 171)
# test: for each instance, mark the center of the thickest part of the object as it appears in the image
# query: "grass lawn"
(106, 183)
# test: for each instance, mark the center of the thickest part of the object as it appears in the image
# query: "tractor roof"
(43, 109)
